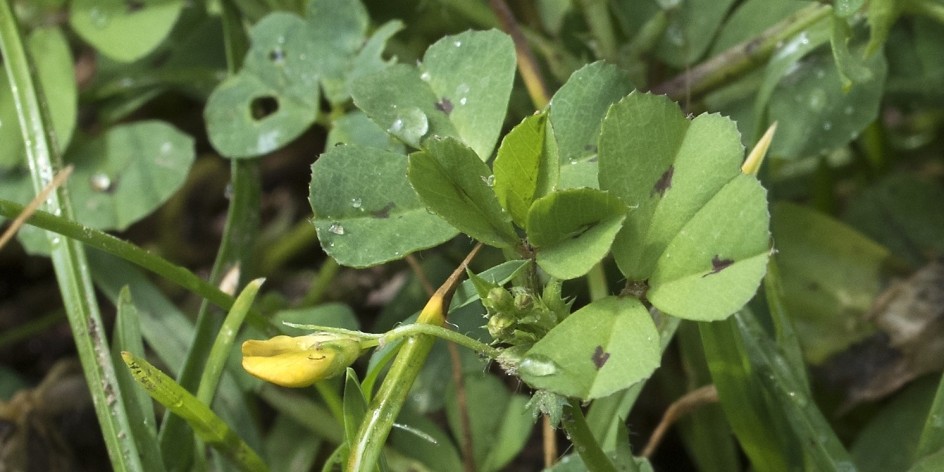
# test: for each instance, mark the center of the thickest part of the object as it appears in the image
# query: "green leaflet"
(455, 184)
(276, 96)
(696, 228)
(602, 348)
(460, 89)
(365, 211)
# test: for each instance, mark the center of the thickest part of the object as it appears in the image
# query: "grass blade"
(68, 256)
(127, 337)
(208, 427)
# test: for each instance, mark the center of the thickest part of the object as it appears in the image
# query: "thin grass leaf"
(127, 337)
(68, 256)
(223, 344)
(207, 426)
(791, 397)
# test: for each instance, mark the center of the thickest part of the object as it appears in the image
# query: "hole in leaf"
(664, 183)
(600, 357)
(262, 107)
(444, 105)
(277, 55)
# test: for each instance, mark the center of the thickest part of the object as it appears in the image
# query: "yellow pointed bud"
(299, 361)
(752, 164)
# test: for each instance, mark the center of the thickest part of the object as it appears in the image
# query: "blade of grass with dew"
(792, 399)
(127, 337)
(207, 426)
(68, 256)
(764, 436)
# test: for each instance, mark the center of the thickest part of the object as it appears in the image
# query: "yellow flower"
(299, 361)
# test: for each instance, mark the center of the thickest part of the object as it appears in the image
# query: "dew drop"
(100, 182)
(537, 366)
(425, 76)
(99, 17)
(489, 180)
(336, 228)
(409, 126)
(676, 35)
(827, 125)
(817, 100)
(357, 203)
(463, 101)
(457, 43)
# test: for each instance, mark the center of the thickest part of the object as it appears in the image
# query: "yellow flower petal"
(299, 361)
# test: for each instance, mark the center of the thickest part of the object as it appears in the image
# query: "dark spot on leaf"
(718, 264)
(133, 5)
(664, 183)
(262, 107)
(444, 105)
(383, 212)
(277, 55)
(590, 148)
(600, 357)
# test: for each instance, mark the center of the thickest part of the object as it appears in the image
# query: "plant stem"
(596, 282)
(442, 333)
(598, 19)
(527, 64)
(321, 282)
(68, 256)
(587, 446)
(386, 405)
(741, 58)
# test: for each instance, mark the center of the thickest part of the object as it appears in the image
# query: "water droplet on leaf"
(356, 203)
(817, 100)
(100, 182)
(336, 228)
(489, 180)
(410, 125)
(99, 17)
(537, 366)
